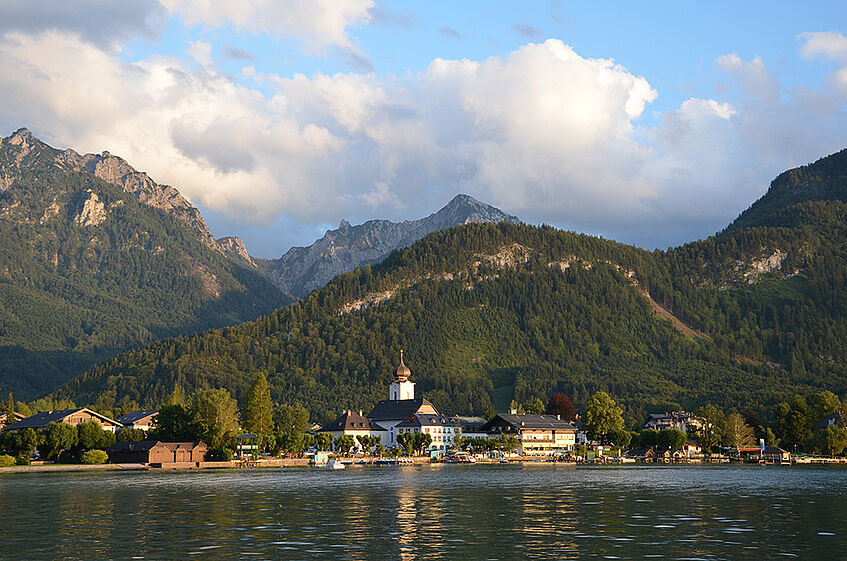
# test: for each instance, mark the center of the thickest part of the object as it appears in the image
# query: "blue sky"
(654, 123)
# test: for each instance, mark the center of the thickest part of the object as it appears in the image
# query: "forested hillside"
(488, 313)
(88, 270)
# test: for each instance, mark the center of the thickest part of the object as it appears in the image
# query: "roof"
(428, 420)
(470, 424)
(394, 409)
(147, 445)
(130, 418)
(522, 422)
(44, 418)
(350, 420)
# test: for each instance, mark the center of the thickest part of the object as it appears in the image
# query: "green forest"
(72, 295)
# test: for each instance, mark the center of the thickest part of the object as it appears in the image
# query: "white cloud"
(543, 132)
(828, 44)
(319, 22)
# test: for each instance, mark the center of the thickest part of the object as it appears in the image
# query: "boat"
(335, 464)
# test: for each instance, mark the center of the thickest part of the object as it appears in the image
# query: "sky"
(651, 123)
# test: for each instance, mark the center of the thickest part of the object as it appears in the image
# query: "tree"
(560, 404)
(344, 443)
(10, 410)
(489, 412)
(648, 438)
(90, 435)
(534, 406)
(738, 434)
(406, 442)
(174, 423)
(671, 439)
(602, 415)
(323, 440)
(821, 405)
(59, 437)
(216, 414)
(130, 435)
(507, 442)
(792, 422)
(834, 439)
(711, 432)
(620, 437)
(258, 417)
(176, 397)
(292, 418)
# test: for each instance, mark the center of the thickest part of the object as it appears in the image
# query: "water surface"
(538, 511)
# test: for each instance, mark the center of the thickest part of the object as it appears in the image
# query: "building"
(400, 406)
(831, 419)
(441, 428)
(16, 417)
(471, 427)
(139, 419)
(679, 420)
(537, 434)
(356, 424)
(155, 452)
(70, 416)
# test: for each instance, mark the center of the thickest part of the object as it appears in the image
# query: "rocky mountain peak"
(234, 248)
(303, 269)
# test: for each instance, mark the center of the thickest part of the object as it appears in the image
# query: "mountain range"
(303, 269)
(488, 313)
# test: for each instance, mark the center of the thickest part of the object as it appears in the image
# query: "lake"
(465, 512)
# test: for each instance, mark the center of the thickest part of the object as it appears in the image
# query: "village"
(401, 429)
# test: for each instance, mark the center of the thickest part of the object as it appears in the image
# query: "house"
(441, 428)
(642, 454)
(679, 420)
(767, 454)
(155, 452)
(400, 406)
(139, 419)
(537, 434)
(355, 424)
(691, 449)
(70, 416)
(15, 418)
(471, 427)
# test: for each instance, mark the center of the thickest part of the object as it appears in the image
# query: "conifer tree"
(258, 415)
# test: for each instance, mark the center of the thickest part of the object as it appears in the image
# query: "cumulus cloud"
(320, 24)
(543, 132)
(828, 44)
(102, 22)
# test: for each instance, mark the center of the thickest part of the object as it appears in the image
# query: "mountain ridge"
(303, 269)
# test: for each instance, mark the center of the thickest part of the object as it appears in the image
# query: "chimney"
(513, 411)
(360, 412)
(558, 417)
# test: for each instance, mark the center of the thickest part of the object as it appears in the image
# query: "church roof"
(393, 409)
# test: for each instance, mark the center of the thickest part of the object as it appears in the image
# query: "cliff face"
(303, 269)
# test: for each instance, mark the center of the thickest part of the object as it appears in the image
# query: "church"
(383, 419)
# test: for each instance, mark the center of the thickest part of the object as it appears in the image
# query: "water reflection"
(428, 513)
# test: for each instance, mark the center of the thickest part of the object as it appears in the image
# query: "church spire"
(402, 372)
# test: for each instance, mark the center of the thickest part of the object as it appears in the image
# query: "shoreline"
(304, 462)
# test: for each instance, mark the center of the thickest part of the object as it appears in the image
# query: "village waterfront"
(529, 511)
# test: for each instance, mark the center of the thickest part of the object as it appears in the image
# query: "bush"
(219, 455)
(94, 457)
(22, 460)
(6, 461)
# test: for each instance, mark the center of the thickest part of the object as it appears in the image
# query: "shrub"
(219, 455)
(22, 459)
(6, 461)
(94, 457)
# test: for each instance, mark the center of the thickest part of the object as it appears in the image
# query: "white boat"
(335, 464)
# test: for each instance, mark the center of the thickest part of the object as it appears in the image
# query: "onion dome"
(402, 372)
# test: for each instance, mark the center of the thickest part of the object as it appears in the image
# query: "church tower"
(401, 387)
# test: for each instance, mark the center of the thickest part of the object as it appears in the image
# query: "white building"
(400, 406)
(442, 429)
